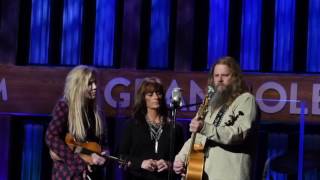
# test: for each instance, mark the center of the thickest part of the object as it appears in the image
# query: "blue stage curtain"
(250, 35)
(104, 33)
(277, 143)
(284, 35)
(32, 152)
(312, 144)
(159, 34)
(218, 30)
(39, 32)
(313, 56)
(71, 34)
(4, 146)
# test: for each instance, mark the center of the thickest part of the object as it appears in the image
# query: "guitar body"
(196, 163)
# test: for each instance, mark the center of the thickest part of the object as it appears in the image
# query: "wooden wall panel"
(36, 89)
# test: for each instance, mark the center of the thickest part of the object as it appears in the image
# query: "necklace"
(155, 132)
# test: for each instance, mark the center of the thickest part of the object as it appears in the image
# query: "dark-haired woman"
(146, 139)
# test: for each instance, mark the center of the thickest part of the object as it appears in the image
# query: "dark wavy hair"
(149, 85)
(238, 86)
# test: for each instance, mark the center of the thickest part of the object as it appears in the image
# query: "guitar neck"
(192, 140)
(202, 111)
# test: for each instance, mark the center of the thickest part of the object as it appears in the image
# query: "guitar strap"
(216, 123)
(219, 116)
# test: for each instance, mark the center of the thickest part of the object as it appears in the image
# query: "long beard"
(220, 98)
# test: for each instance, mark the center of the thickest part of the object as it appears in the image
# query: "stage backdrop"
(34, 90)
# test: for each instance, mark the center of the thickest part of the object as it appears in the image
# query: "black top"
(137, 146)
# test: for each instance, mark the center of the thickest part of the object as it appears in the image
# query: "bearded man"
(227, 129)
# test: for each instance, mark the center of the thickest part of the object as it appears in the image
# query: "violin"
(85, 149)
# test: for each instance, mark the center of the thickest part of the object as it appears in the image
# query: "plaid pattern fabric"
(72, 166)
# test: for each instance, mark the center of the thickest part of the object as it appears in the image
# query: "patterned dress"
(71, 166)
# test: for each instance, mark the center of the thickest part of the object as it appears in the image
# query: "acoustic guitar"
(85, 150)
(195, 159)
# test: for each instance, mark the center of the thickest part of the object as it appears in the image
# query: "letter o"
(280, 103)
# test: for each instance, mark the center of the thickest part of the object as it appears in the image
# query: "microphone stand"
(174, 106)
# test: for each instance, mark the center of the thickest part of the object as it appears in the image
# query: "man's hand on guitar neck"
(196, 124)
(178, 167)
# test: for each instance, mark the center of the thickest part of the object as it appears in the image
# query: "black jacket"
(137, 146)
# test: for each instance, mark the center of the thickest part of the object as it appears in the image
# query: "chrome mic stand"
(174, 105)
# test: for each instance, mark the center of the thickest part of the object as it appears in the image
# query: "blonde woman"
(77, 113)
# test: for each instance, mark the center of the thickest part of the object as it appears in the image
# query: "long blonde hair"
(76, 88)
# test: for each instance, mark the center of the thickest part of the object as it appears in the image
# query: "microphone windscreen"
(176, 95)
(211, 90)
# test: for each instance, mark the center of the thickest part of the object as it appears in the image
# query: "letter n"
(3, 90)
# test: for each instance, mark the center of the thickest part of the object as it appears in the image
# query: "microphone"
(176, 100)
(211, 91)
